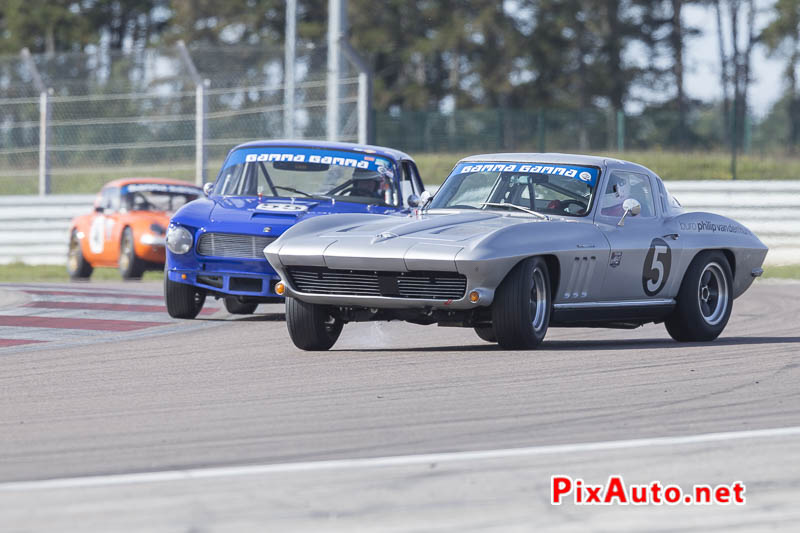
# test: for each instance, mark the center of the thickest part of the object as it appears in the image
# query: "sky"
(702, 62)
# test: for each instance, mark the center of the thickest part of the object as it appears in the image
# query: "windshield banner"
(311, 155)
(586, 175)
(160, 187)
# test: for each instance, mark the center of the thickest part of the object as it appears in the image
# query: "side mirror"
(631, 207)
(207, 187)
(413, 200)
(99, 209)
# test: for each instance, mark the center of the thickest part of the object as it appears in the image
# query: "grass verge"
(669, 165)
(21, 272)
(434, 168)
(782, 271)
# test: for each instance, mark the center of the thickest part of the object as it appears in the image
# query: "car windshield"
(292, 172)
(543, 188)
(157, 196)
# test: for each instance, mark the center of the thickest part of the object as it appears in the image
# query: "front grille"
(233, 245)
(417, 284)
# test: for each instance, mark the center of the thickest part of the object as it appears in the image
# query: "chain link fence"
(70, 122)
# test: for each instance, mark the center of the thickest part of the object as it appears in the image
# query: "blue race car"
(215, 245)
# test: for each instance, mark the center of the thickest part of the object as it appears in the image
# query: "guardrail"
(33, 229)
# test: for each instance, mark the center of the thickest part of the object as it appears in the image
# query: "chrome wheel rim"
(712, 294)
(538, 299)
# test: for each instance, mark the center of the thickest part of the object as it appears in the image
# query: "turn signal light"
(183, 276)
(280, 288)
(474, 296)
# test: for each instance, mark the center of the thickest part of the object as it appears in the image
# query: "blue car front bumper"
(250, 278)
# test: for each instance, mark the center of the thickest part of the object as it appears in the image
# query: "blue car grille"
(415, 284)
(233, 245)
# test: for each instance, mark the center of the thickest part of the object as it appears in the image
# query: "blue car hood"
(251, 216)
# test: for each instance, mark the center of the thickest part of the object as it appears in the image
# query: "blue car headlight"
(179, 240)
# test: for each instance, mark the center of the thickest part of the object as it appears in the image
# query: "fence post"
(44, 123)
(200, 109)
(288, 69)
(620, 131)
(364, 91)
(337, 27)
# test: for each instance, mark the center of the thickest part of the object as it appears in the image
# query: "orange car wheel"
(77, 266)
(130, 266)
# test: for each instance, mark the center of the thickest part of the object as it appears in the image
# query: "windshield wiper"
(298, 191)
(529, 211)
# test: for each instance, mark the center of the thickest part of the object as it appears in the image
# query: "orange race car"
(128, 226)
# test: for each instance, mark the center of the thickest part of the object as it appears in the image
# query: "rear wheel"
(311, 326)
(130, 266)
(521, 308)
(704, 301)
(235, 307)
(183, 301)
(77, 265)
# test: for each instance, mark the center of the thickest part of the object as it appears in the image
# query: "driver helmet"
(367, 182)
(619, 189)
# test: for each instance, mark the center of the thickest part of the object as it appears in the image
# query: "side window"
(624, 185)
(410, 182)
(109, 199)
(411, 174)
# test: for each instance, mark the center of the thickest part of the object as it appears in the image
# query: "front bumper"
(247, 278)
(390, 302)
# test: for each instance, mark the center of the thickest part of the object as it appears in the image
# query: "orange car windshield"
(157, 197)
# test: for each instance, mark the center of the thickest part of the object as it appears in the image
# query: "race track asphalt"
(221, 391)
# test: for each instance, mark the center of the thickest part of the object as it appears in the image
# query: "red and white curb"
(63, 313)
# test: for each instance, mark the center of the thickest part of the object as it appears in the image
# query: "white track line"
(377, 462)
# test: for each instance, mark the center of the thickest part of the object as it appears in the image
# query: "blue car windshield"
(298, 172)
(564, 190)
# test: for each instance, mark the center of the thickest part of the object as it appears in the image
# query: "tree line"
(582, 55)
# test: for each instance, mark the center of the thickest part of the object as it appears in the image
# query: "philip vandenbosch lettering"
(712, 227)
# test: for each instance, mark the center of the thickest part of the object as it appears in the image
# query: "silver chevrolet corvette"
(512, 244)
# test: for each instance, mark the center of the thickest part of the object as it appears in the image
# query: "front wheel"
(77, 265)
(704, 301)
(183, 301)
(311, 326)
(130, 266)
(521, 308)
(235, 307)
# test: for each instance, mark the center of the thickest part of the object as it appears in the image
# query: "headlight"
(179, 240)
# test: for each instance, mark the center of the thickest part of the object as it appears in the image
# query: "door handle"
(673, 236)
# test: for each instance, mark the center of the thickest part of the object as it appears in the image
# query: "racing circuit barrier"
(33, 229)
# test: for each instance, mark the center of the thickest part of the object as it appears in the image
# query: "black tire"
(183, 301)
(705, 299)
(235, 307)
(311, 326)
(77, 265)
(130, 266)
(521, 308)
(486, 333)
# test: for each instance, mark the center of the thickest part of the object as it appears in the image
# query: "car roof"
(121, 182)
(557, 158)
(328, 145)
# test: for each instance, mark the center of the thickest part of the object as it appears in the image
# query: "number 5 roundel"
(656, 267)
